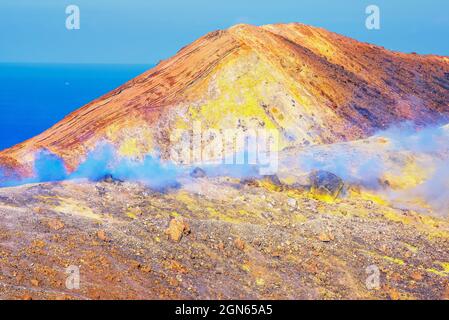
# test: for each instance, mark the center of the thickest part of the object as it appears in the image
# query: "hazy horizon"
(143, 32)
(52, 91)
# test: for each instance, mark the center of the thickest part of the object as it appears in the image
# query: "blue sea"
(33, 97)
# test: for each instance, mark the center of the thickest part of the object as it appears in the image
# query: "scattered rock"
(102, 235)
(55, 224)
(260, 282)
(239, 244)
(141, 267)
(311, 267)
(177, 228)
(27, 297)
(198, 173)
(219, 270)
(109, 178)
(34, 282)
(292, 202)
(393, 294)
(369, 204)
(220, 248)
(39, 244)
(173, 282)
(274, 179)
(417, 276)
(19, 278)
(146, 269)
(326, 237)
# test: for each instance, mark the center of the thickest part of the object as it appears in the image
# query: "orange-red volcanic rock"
(312, 85)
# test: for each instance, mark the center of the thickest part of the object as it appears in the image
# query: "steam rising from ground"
(104, 161)
(401, 154)
(402, 163)
(100, 163)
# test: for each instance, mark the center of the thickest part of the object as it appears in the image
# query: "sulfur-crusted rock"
(324, 183)
(177, 228)
(198, 173)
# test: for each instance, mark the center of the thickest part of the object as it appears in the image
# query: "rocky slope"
(214, 239)
(372, 205)
(312, 85)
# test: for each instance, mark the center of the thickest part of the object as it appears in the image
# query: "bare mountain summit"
(313, 85)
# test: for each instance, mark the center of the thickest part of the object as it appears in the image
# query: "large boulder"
(324, 183)
(198, 173)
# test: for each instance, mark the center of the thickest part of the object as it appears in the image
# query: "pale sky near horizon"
(146, 31)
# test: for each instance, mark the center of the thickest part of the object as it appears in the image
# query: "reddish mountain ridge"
(312, 85)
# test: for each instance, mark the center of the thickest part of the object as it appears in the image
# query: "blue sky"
(146, 31)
